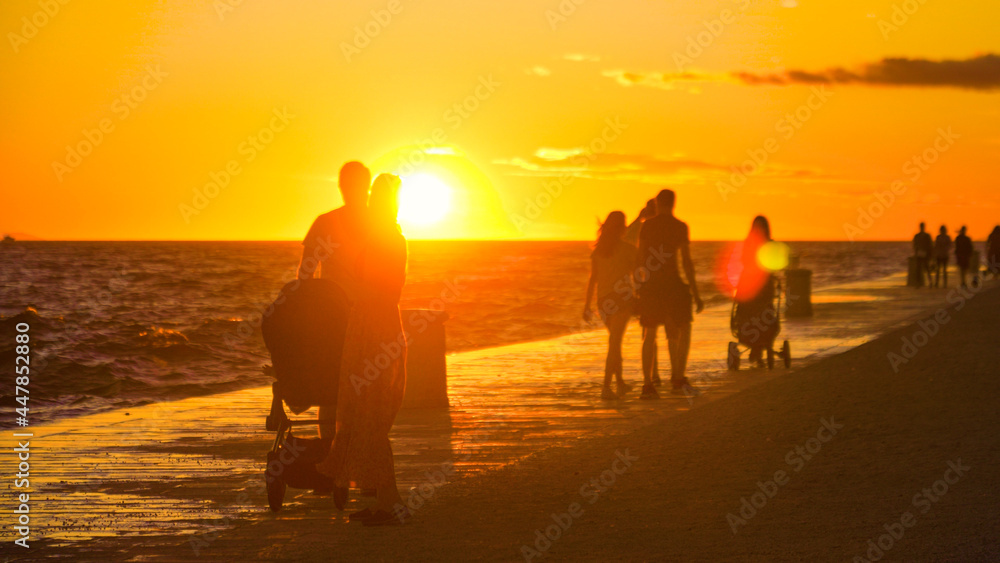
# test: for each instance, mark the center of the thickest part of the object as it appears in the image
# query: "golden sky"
(525, 119)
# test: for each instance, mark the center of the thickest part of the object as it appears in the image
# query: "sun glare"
(423, 200)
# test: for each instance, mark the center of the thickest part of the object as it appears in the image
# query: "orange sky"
(537, 121)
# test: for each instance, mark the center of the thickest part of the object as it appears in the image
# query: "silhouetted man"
(963, 254)
(333, 244)
(923, 246)
(942, 249)
(664, 298)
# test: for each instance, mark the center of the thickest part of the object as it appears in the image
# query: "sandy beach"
(182, 480)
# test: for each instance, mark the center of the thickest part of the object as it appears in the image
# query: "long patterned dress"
(373, 374)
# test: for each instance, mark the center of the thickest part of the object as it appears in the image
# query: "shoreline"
(592, 328)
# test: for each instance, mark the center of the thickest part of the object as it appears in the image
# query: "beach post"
(798, 288)
(426, 369)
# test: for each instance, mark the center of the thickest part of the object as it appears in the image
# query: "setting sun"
(423, 200)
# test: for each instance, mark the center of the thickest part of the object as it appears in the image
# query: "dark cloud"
(977, 73)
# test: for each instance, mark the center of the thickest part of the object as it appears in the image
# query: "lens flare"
(773, 256)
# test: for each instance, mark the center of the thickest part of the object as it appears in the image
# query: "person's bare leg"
(609, 361)
(648, 354)
(617, 327)
(679, 346)
(656, 355)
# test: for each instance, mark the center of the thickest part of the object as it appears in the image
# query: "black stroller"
(304, 331)
(757, 324)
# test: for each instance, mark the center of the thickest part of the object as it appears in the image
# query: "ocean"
(121, 324)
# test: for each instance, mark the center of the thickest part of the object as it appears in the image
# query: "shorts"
(665, 303)
(615, 304)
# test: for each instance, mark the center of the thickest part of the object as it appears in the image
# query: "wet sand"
(526, 431)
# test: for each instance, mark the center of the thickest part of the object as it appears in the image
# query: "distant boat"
(7, 239)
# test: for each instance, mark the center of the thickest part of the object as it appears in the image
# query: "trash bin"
(426, 369)
(798, 293)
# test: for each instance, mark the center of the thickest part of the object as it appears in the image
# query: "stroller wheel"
(275, 485)
(770, 358)
(786, 354)
(733, 360)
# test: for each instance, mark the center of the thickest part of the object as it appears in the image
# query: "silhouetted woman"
(372, 375)
(756, 318)
(611, 265)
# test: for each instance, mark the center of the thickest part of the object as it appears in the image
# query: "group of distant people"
(636, 269)
(933, 255)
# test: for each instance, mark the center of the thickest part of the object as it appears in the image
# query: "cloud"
(579, 162)
(539, 70)
(978, 73)
(581, 57)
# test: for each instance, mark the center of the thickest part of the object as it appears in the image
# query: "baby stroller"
(304, 331)
(757, 324)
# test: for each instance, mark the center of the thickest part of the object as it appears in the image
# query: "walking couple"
(636, 269)
(367, 259)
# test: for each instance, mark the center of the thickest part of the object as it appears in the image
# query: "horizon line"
(437, 240)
